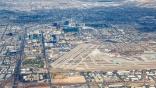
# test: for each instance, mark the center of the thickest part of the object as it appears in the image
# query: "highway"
(19, 60)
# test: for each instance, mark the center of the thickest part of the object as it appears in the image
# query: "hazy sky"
(27, 5)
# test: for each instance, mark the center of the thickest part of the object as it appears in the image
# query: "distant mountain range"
(28, 5)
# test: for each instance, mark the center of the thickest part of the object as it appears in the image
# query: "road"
(46, 60)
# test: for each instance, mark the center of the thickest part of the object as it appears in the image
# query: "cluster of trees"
(37, 62)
